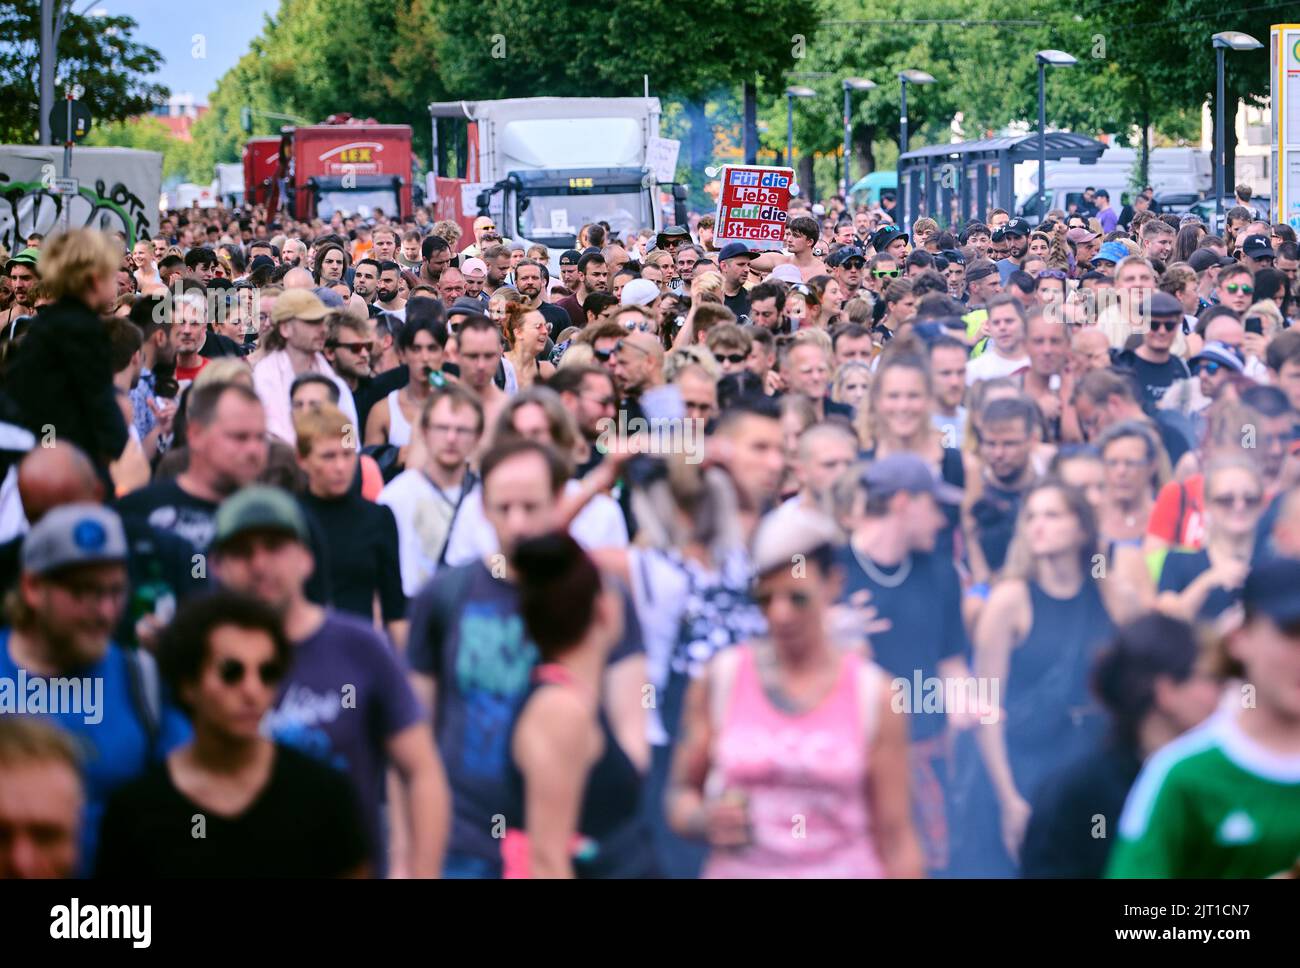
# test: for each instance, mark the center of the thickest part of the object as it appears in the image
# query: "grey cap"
(464, 305)
(907, 472)
(329, 297)
(1163, 304)
(74, 534)
(788, 531)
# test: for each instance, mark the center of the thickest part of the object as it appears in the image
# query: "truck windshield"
(555, 219)
(356, 202)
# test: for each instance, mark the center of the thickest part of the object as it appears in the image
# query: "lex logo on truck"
(359, 157)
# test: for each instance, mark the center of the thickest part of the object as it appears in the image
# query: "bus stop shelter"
(970, 178)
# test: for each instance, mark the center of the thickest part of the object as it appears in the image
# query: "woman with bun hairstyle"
(1155, 684)
(575, 803)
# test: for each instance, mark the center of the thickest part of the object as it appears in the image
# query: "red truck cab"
(261, 159)
(345, 165)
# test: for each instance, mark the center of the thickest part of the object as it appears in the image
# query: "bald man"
(298, 279)
(47, 478)
(637, 365)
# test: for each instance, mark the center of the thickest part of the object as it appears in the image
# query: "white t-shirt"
(423, 515)
(990, 366)
(598, 525)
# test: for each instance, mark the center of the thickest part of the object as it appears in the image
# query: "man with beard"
(1015, 236)
(365, 280)
(347, 348)
(22, 275)
(593, 276)
(531, 278)
(437, 256)
(388, 294)
(70, 597)
(587, 392)
(497, 260)
(1007, 433)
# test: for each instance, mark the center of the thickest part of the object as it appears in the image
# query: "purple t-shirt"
(1108, 219)
(344, 697)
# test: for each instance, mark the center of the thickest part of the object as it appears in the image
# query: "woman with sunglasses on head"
(1202, 584)
(574, 808)
(265, 809)
(791, 761)
(526, 332)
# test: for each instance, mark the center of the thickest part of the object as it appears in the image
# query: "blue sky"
(170, 26)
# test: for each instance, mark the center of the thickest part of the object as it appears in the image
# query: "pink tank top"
(803, 776)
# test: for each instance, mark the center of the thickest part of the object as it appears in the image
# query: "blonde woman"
(897, 418)
(852, 381)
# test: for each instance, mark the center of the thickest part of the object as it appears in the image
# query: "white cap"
(473, 267)
(639, 292)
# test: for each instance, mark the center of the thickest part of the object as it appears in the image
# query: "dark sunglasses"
(799, 600)
(233, 672)
(1211, 368)
(623, 344)
(1247, 501)
(1166, 324)
(350, 347)
(604, 355)
(732, 358)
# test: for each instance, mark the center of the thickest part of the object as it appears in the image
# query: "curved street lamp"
(1224, 40)
(1046, 58)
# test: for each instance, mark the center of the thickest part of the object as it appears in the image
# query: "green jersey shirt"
(1213, 803)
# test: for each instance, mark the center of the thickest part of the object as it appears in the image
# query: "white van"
(1182, 170)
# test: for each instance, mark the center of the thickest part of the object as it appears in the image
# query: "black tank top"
(616, 842)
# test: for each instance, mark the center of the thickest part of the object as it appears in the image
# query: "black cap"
(953, 256)
(1017, 226)
(845, 254)
(259, 261)
(1202, 259)
(570, 257)
(734, 250)
(884, 235)
(1257, 247)
(1270, 590)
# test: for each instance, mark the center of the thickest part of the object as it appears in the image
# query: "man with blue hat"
(846, 264)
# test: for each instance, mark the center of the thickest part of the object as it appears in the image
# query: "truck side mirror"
(482, 199)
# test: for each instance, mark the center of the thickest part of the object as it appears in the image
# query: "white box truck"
(1171, 171)
(543, 167)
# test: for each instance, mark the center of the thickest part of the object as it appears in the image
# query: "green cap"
(27, 257)
(260, 508)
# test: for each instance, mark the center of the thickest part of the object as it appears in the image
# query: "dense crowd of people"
(369, 548)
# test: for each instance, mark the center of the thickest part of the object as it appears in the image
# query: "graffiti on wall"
(28, 207)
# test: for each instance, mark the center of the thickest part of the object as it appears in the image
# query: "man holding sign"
(753, 208)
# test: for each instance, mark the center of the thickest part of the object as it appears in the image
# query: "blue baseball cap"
(1111, 252)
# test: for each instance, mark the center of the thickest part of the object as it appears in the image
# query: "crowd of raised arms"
(375, 548)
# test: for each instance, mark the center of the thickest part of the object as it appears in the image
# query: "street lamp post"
(1056, 58)
(915, 77)
(790, 94)
(1225, 40)
(851, 84)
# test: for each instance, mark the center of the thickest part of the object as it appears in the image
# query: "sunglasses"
(1165, 324)
(350, 347)
(1247, 501)
(1211, 368)
(1235, 288)
(886, 273)
(1052, 274)
(604, 355)
(637, 327)
(233, 672)
(800, 600)
(731, 358)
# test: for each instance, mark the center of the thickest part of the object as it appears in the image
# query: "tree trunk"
(864, 141)
(807, 183)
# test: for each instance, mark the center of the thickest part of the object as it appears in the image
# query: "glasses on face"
(604, 355)
(1246, 502)
(623, 344)
(233, 672)
(1165, 324)
(350, 347)
(642, 327)
(731, 357)
(1234, 287)
(1052, 274)
(799, 600)
(886, 273)
(87, 592)
(1210, 368)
